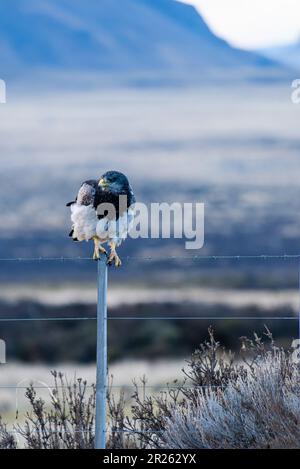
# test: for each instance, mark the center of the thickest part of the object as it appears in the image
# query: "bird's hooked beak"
(103, 183)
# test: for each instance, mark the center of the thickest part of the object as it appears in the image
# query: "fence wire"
(156, 259)
(160, 258)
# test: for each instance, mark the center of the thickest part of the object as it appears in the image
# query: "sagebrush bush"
(7, 439)
(249, 401)
(261, 410)
(67, 423)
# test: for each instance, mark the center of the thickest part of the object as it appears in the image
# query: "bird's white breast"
(84, 218)
(115, 231)
(86, 224)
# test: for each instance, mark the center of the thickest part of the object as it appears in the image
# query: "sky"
(252, 24)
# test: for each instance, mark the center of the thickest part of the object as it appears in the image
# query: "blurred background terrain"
(149, 89)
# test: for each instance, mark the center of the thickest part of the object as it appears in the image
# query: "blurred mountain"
(287, 55)
(114, 36)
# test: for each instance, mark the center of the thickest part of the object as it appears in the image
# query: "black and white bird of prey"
(103, 211)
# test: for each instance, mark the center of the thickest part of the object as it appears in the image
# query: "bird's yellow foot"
(102, 250)
(113, 258)
(98, 249)
(96, 255)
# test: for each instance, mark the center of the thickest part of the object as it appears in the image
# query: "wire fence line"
(156, 318)
(72, 431)
(160, 258)
(154, 259)
(119, 386)
(139, 386)
(204, 318)
(42, 319)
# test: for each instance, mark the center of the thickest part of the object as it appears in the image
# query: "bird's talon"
(114, 258)
(96, 256)
(98, 250)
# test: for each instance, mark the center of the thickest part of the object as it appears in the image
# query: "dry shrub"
(7, 439)
(249, 401)
(68, 423)
(258, 408)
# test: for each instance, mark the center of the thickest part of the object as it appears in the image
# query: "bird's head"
(114, 181)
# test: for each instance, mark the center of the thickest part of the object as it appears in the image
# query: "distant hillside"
(113, 36)
(288, 55)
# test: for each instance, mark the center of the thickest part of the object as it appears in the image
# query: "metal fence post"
(101, 379)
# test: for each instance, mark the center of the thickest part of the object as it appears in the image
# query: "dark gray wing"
(86, 193)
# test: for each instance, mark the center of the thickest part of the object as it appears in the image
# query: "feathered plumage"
(103, 211)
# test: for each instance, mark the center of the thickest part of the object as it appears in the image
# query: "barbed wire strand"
(158, 318)
(71, 431)
(204, 318)
(120, 386)
(158, 259)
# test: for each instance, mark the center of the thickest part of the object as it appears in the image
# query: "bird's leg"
(98, 249)
(113, 256)
(96, 255)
